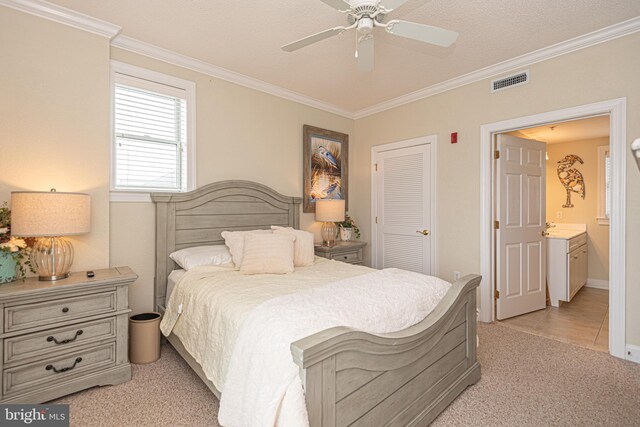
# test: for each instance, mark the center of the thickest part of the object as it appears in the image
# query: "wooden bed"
(350, 377)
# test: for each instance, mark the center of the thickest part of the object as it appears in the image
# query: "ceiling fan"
(364, 16)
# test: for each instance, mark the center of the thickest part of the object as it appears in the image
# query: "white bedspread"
(263, 387)
(215, 302)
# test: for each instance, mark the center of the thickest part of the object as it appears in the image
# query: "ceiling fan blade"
(299, 44)
(337, 4)
(422, 33)
(392, 4)
(365, 53)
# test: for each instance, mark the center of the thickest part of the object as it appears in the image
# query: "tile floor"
(584, 321)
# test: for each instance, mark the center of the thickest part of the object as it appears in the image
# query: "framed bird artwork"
(325, 160)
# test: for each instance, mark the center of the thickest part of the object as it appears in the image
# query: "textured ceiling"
(245, 37)
(574, 130)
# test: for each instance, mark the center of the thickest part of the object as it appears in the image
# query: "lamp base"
(53, 278)
(329, 232)
(52, 258)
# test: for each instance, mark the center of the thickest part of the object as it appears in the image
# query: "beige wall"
(54, 126)
(241, 134)
(55, 107)
(606, 71)
(584, 211)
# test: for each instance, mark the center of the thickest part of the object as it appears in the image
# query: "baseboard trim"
(597, 284)
(632, 353)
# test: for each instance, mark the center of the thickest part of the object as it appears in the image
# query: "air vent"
(510, 81)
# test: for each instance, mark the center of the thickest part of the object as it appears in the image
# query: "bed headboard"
(198, 217)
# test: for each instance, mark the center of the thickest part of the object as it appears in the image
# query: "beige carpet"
(527, 380)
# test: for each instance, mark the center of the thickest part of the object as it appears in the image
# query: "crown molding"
(587, 40)
(84, 22)
(65, 16)
(155, 52)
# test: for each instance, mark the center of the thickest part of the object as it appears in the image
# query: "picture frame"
(326, 166)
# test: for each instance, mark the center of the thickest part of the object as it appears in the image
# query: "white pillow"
(303, 249)
(201, 255)
(267, 254)
(235, 242)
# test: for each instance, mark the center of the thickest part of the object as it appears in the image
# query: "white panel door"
(521, 211)
(403, 209)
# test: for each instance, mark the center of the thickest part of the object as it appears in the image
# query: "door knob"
(423, 232)
(544, 233)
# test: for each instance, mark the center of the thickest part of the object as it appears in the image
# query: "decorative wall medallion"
(571, 178)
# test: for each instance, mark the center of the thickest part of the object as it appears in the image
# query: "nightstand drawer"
(52, 371)
(41, 314)
(346, 257)
(41, 344)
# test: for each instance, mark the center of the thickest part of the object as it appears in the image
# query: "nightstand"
(61, 337)
(350, 252)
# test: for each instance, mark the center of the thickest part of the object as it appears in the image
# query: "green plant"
(349, 223)
(19, 249)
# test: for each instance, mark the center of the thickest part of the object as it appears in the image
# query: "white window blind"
(150, 138)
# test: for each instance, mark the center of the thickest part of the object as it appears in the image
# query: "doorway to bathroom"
(493, 296)
(562, 183)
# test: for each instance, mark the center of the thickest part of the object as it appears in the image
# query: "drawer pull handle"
(68, 368)
(65, 309)
(345, 257)
(67, 341)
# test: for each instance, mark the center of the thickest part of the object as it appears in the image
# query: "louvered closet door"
(404, 209)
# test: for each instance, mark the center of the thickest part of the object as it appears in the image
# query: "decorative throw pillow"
(201, 255)
(267, 254)
(303, 249)
(235, 242)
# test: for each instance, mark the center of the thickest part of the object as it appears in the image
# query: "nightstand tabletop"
(102, 277)
(341, 246)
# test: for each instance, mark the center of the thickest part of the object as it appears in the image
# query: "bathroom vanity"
(566, 261)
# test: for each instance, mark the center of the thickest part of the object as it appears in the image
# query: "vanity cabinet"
(577, 270)
(566, 267)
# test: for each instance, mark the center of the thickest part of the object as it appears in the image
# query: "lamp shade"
(635, 148)
(49, 214)
(330, 210)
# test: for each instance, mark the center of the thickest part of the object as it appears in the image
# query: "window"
(604, 185)
(153, 139)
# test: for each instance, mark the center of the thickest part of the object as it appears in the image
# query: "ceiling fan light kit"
(366, 15)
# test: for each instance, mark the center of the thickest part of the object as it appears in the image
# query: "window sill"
(136, 196)
(603, 221)
(130, 196)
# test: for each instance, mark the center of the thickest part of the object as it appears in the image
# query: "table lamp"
(329, 211)
(49, 216)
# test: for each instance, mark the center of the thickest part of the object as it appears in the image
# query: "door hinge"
(496, 294)
(376, 166)
(496, 154)
(376, 220)
(496, 225)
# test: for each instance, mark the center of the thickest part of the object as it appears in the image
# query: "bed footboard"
(403, 378)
